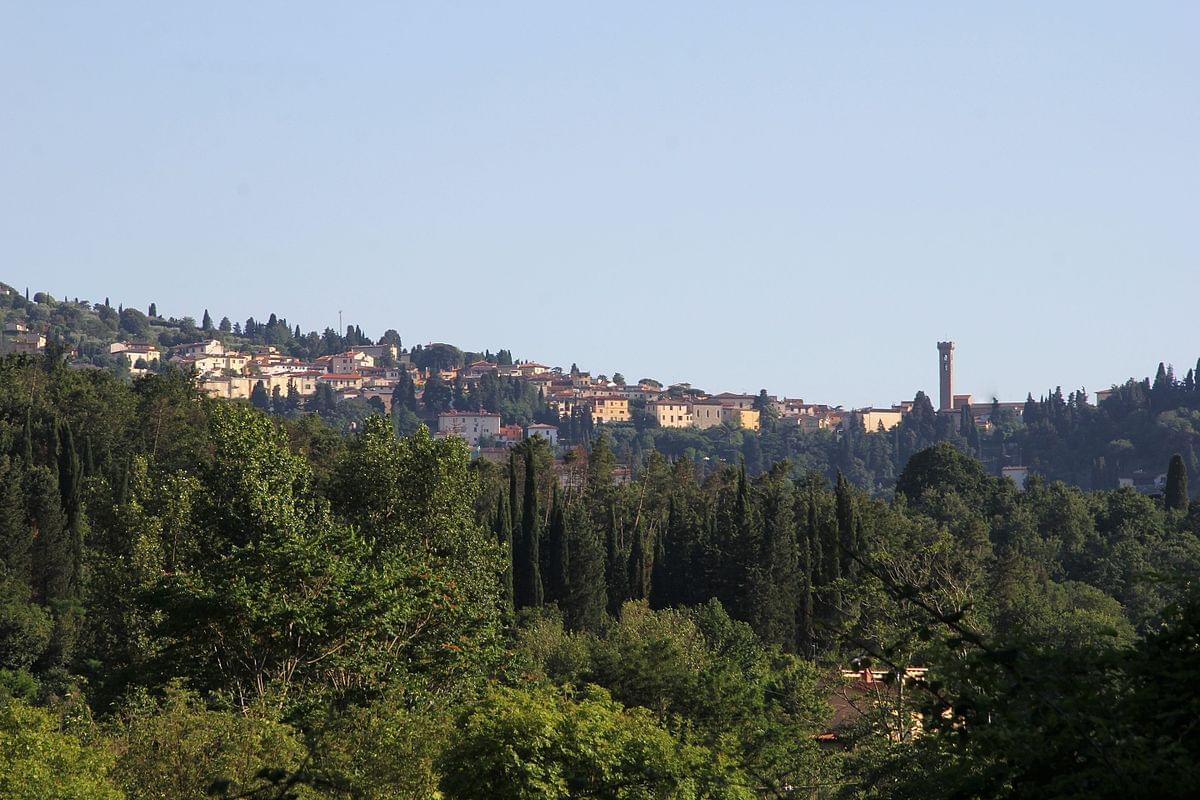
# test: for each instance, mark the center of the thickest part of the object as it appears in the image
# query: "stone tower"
(946, 375)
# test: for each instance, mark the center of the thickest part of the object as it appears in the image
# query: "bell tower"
(946, 375)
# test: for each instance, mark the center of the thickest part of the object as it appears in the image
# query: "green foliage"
(180, 749)
(40, 760)
(547, 743)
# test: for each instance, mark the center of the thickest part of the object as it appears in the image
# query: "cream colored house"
(874, 419)
(609, 408)
(209, 347)
(714, 411)
(350, 361)
(746, 418)
(671, 413)
(229, 388)
(133, 351)
(341, 380)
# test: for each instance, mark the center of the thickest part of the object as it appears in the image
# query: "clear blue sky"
(796, 196)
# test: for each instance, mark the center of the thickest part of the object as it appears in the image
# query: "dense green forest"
(199, 599)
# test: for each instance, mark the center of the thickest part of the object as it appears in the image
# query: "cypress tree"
(845, 524)
(831, 572)
(615, 566)
(27, 438)
(86, 457)
(69, 482)
(152, 311)
(776, 567)
(259, 397)
(1177, 484)
(514, 502)
(583, 607)
(558, 562)
(527, 565)
(807, 601)
(502, 526)
(668, 581)
(16, 543)
(51, 560)
(819, 575)
(640, 565)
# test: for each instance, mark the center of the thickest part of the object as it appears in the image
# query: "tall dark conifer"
(558, 557)
(640, 564)
(52, 566)
(527, 565)
(16, 541)
(615, 566)
(845, 525)
(1177, 484)
(775, 619)
(27, 438)
(672, 557)
(806, 604)
(583, 607)
(514, 501)
(502, 527)
(70, 477)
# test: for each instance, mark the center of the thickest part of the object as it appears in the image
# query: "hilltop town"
(494, 401)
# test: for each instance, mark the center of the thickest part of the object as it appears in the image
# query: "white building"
(469, 425)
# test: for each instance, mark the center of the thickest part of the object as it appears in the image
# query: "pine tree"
(527, 565)
(1177, 484)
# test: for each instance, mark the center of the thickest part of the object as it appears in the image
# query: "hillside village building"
(547, 432)
(671, 413)
(609, 408)
(133, 352)
(18, 338)
(469, 425)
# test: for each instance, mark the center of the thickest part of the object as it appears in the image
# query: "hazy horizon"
(798, 199)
